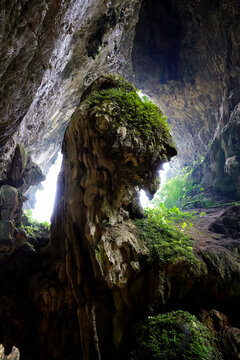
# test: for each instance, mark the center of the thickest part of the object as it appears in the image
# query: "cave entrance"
(45, 198)
(144, 200)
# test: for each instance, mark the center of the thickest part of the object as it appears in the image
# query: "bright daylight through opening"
(144, 200)
(45, 198)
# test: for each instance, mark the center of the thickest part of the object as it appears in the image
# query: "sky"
(45, 198)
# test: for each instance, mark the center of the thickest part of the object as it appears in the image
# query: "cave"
(107, 279)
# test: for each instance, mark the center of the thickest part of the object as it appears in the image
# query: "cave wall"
(51, 51)
(104, 165)
(186, 56)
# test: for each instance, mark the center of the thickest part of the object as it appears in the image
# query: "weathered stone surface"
(223, 278)
(15, 355)
(6, 232)
(102, 164)
(21, 175)
(94, 281)
(185, 55)
(225, 158)
(228, 223)
(227, 337)
(23, 171)
(9, 202)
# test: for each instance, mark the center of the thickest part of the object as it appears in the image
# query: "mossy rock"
(177, 335)
(119, 98)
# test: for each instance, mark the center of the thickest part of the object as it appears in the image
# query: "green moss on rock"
(175, 335)
(145, 119)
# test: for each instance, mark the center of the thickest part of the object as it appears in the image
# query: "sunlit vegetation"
(184, 193)
(32, 227)
(177, 191)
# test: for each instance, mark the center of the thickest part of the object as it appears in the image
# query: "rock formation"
(104, 165)
(81, 294)
(13, 356)
(21, 174)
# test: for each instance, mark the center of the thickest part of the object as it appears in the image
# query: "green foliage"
(32, 227)
(175, 335)
(181, 192)
(145, 119)
(177, 191)
(174, 214)
(163, 237)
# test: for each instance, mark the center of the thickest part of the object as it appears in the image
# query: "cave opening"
(163, 173)
(45, 197)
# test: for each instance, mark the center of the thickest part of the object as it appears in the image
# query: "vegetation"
(182, 192)
(163, 237)
(177, 191)
(144, 118)
(33, 227)
(171, 336)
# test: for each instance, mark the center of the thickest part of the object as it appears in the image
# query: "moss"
(175, 335)
(144, 119)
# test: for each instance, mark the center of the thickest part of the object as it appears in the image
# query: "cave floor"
(204, 238)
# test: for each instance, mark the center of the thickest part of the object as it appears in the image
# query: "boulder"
(9, 202)
(6, 232)
(228, 223)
